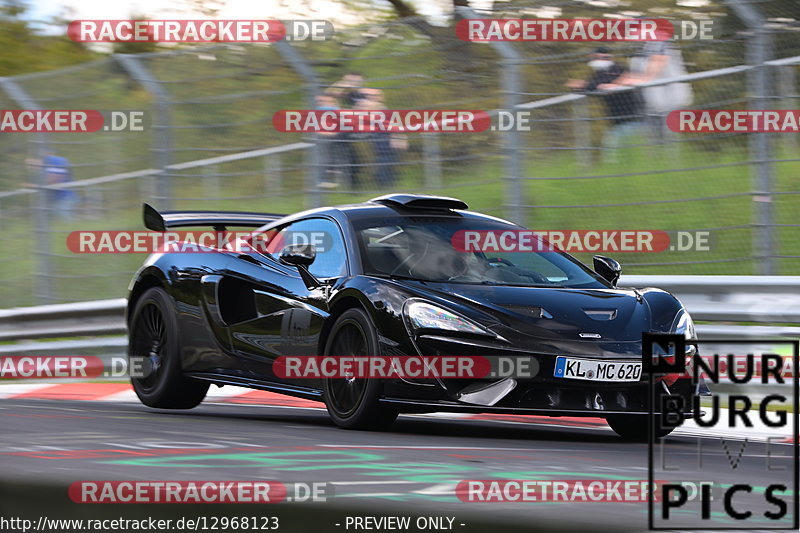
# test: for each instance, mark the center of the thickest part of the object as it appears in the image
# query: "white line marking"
(443, 489)
(15, 389)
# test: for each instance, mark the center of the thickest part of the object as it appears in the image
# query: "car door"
(271, 311)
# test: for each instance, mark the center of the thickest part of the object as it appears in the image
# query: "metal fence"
(210, 144)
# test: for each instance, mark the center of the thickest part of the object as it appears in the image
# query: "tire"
(354, 403)
(634, 427)
(153, 335)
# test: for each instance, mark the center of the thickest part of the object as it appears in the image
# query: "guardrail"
(771, 302)
(98, 317)
(761, 299)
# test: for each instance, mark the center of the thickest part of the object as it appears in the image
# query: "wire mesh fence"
(210, 144)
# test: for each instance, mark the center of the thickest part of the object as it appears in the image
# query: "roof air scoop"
(420, 201)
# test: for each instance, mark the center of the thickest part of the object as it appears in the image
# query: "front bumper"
(541, 394)
(549, 398)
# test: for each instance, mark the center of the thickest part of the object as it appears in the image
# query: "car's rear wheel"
(634, 427)
(354, 403)
(153, 342)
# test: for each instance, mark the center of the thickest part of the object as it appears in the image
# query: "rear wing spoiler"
(219, 220)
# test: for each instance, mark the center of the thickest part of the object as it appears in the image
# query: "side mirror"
(608, 268)
(298, 255)
(301, 256)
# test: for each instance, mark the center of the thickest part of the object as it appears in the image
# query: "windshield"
(421, 248)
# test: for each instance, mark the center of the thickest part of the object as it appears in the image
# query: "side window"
(324, 234)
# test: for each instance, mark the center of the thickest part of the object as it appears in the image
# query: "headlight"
(686, 326)
(422, 315)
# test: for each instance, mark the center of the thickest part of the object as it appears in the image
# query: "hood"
(534, 317)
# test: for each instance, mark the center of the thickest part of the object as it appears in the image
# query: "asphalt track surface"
(410, 470)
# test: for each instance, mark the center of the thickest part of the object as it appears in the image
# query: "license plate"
(596, 370)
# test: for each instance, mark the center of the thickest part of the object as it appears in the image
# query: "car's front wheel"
(354, 403)
(634, 427)
(153, 350)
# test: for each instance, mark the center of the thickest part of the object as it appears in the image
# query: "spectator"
(55, 171)
(383, 142)
(657, 60)
(329, 166)
(624, 108)
(349, 91)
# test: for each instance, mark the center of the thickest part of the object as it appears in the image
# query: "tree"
(26, 50)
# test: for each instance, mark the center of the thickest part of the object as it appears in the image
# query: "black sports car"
(386, 281)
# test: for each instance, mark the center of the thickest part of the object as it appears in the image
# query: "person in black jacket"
(624, 108)
(349, 92)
